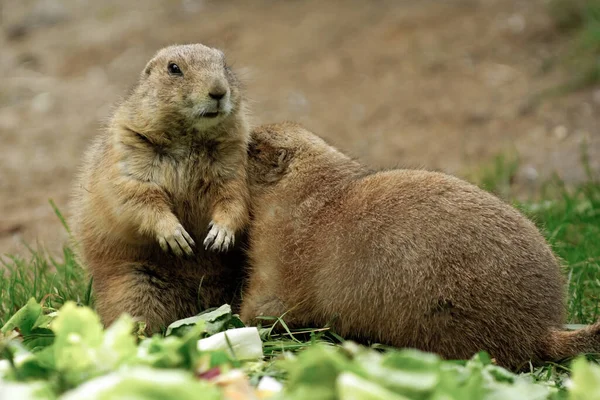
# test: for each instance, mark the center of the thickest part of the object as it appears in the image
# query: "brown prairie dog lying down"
(407, 258)
(169, 172)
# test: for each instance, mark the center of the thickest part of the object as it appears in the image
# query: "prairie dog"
(407, 258)
(169, 171)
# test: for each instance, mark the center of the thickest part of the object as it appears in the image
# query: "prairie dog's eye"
(174, 69)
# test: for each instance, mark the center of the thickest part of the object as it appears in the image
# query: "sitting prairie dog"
(170, 171)
(407, 258)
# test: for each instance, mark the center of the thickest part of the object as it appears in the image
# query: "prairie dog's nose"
(217, 94)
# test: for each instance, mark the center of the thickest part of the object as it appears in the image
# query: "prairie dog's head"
(279, 149)
(187, 86)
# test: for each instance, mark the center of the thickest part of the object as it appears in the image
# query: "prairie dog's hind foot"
(264, 310)
(219, 237)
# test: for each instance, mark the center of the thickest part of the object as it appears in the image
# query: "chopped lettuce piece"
(78, 334)
(353, 387)
(118, 344)
(408, 372)
(313, 372)
(214, 321)
(24, 320)
(144, 383)
(25, 391)
(585, 381)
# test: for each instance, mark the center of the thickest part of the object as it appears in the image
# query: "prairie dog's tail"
(563, 344)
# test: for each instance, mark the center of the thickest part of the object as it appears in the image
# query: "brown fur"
(160, 174)
(407, 258)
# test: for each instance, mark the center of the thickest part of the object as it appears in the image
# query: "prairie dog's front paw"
(177, 239)
(219, 238)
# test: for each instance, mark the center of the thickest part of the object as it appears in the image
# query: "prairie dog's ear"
(282, 156)
(252, 149)
(149, 67)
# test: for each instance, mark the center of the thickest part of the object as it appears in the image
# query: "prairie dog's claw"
(219, 238)
(179, 241)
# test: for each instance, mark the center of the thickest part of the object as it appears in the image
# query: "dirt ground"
(436, 84)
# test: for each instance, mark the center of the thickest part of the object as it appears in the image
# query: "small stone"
(516, 23)
(42, 103)
(530, 173)
(499, 74)
(560, 132)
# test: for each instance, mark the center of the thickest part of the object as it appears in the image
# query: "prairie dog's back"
(426, 233)
(433, 236)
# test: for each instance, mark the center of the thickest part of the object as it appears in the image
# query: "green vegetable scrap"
(585, 384)
(67, 354)
(359, 373)
(214, 321)
(145, 383)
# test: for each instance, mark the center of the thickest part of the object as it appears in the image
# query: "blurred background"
(462, 86)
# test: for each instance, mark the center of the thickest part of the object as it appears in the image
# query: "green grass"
(580, 20)
(571, 224)
(49, 280)
(42, 277)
